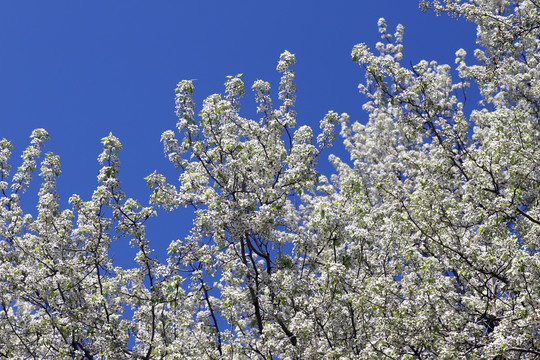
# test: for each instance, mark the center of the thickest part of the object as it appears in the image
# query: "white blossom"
(424, 244)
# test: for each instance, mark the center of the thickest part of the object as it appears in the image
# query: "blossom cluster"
(423, 245)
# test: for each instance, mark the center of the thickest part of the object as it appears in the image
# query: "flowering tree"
(424, 245)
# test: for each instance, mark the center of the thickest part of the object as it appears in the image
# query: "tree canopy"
(423, 245)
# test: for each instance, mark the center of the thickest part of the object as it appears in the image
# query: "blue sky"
(84, 69)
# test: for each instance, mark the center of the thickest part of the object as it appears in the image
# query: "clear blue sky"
(82, 69)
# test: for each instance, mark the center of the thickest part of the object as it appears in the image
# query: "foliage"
(423, 245)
